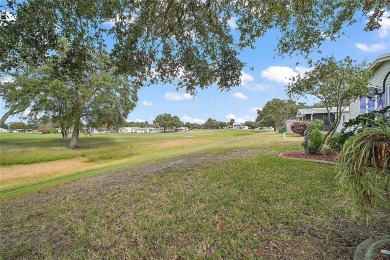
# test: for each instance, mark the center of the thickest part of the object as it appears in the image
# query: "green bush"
(363, 169)
(315, 136)
(338, 140)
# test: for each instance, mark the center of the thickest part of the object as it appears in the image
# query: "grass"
(34, 148)
(111, 151)
(226, 199)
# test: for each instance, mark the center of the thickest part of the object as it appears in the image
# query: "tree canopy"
(334, 83)
(276, 112)
(187, 42)
(167, 121)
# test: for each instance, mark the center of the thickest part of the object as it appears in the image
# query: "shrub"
(299, 127)
(338, 140)
(315, 136)
(363, 168)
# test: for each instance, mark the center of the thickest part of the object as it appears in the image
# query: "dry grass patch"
(15, 175)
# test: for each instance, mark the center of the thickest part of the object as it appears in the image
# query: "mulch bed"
(311, 157)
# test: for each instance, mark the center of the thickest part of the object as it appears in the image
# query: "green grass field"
(192, 195)
(110, 151)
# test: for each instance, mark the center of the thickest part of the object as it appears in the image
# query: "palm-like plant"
(364, 168)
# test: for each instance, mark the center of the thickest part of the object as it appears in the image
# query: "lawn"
(231, 197)
(32, 161)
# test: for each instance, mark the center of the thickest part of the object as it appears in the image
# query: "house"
(182, 129)
(310, 114)
(381, 70)
(242, 127)
(140, 130)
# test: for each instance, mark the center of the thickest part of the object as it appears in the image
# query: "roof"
(381, 59)
(321, 110)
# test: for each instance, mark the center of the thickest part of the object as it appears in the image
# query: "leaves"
(334, 83)
(167, 121)
(277, 111)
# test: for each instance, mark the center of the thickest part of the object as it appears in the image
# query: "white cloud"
(239, 120)
(240, 96)
(382, 40)
(371, 48)
(191, 120)
(282, 74)
(245, 78)
(384, 31)
(147, 103)
(247, 81)
(232, 22)
(139, 120)
(177, 96)
(231, 116)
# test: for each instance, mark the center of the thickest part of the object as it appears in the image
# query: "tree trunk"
(74, 141)
(332, 129)
(65, 133)
(12, 111)
(76, 127)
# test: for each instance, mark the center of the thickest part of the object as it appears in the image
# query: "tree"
(17, 125)
(19, 91)
(276, 112)
(251, 125)
(258, 117)
(98, 98)
(184, 42)
(335, 84)
(167, 121)
(304, 25)
(155, 39)
(231, 122)
(45, 127)
(210, 124)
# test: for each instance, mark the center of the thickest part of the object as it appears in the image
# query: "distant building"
(243, 127)
(140, 130)
(182, 129)
(289, 122)
(310, 114)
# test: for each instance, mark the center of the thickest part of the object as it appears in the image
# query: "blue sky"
(266, 81)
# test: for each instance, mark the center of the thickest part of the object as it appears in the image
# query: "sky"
(265, 81)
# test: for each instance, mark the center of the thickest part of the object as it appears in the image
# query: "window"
(381, 102)
(363, 105)
(371, 104)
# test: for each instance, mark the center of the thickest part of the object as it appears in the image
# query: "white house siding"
(380, 74)
(354, 109)
(345, 116)
(380, 68)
